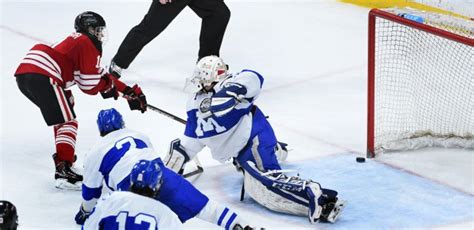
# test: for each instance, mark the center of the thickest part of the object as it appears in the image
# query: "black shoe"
(64, 171)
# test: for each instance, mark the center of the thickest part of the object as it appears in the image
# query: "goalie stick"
(199, 169)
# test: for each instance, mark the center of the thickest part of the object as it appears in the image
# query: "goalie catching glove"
(227, 98)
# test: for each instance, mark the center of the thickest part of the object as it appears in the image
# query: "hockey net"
(421, 81)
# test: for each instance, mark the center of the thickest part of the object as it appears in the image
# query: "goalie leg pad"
(176, 157)
(281, 193)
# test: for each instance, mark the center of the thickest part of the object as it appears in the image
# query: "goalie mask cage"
(420, 83)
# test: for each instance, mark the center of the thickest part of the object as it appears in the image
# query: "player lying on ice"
(110, 163)
(221, 115)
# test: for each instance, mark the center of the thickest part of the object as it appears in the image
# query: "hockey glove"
(81, 216)
(109, 91)
(227, 98)
(115, 70)
(135, 97)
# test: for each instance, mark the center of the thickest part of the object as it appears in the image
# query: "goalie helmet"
(146, 175)
(91, 23)
(8, 215)
(109, 120)
(209, 69)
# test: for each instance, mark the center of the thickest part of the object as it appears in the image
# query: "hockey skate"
(66, 177)
(332, 210)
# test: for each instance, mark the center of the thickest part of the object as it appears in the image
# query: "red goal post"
(403, 53)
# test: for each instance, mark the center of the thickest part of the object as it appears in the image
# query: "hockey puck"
(360, 159)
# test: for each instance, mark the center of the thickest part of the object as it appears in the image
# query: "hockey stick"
(176, 118)
(199, 169)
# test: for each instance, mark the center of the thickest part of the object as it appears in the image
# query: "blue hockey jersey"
(111, 161)
(126, 210)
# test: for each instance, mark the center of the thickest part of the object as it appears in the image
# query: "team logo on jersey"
(205, 105)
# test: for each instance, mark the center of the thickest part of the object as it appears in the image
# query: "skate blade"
(334, 214)
(64, 184)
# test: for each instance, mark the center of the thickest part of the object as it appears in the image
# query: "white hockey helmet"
(208, 70)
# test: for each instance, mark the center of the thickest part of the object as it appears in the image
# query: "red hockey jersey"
(75, 60)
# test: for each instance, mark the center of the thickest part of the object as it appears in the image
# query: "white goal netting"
(424, 84)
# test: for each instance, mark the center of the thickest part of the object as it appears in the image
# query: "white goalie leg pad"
(176, 157)
(267, 191)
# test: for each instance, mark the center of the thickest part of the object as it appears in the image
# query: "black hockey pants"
(214, 13)
(55, 103)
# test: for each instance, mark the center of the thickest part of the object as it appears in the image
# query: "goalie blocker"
(176, 157)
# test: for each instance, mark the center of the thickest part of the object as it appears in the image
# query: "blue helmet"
(109, 120)
(146, 174)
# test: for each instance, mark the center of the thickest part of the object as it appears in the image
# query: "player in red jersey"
(47, 72)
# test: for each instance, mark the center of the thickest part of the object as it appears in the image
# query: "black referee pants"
(214, 13)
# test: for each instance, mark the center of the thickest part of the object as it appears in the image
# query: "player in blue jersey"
(110, 162)
(136, 209)
(222, 116)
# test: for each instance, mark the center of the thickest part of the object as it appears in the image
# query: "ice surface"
(313, 57)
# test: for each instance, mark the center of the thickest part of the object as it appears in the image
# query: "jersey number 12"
(135, 222)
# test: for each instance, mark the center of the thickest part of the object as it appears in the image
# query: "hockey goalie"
(221, 115)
